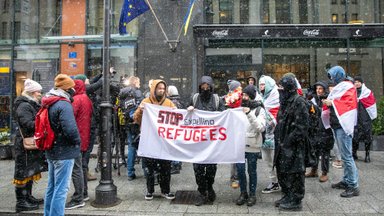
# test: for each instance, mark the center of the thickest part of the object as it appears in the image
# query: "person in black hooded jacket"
(28, 163)
(205, 173)
(291, 136)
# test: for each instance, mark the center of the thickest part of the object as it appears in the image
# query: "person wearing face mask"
(66, 146)
(28, 163)
(291, 135)
(205, 173)
(256, 117)
(157, 96)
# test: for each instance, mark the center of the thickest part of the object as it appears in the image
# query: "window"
(244, 11)
(354, 1)
(209, 12)
(283, 15)
(17, 30)
(303, 11)
(4, 30)
(17, 5)
(265, 11)
(355, 16)
(5, 6)
(335, 18)
(226, 11)
(334, 2)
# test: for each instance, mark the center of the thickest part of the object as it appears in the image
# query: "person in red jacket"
(82, 108)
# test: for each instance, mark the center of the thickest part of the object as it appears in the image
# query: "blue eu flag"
(131, 9)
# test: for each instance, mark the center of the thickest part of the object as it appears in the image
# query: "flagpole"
(158, 22)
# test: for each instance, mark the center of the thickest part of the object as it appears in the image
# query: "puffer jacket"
(82, 108)
(62, 119)
(256, 126)
(164, 101)
(27, 162)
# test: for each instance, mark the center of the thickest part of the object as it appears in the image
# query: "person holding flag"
(367, 111)
(270, 95)
(340, 113)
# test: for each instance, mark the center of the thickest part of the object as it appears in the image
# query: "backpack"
(216, 97)
(44, 135)
(128, 105)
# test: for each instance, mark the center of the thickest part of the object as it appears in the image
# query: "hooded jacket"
(164, 101)
(62, 119)
(207, 105)
(257, 125)
(82, 108)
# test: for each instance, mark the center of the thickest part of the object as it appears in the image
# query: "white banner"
(196, 137)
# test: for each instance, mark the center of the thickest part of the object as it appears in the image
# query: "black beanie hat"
(358, 78)
(250, 91)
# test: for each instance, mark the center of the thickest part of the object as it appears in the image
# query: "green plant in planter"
(378, 123)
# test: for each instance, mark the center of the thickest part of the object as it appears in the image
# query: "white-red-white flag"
(344, 102)
(272, 102)
(368, 100)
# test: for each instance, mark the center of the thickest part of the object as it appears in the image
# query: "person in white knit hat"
(32, 89)
(28, 163)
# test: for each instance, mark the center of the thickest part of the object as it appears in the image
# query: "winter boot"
(284, 199)
(32, 199)
(312, 173)
(22, 203)
(242, 198)
(323, 177)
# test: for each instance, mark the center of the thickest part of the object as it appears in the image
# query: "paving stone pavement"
(320, 198)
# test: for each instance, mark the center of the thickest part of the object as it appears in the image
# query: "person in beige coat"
(257, 123)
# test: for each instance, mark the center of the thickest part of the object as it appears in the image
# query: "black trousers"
(292, 185)
(164, 174)
(205, 176)
(324, 154)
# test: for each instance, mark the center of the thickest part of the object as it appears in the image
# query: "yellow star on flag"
(129, 13)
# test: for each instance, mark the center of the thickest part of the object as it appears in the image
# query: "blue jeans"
(251, 158)
(131, 155)
(59, 176)
(344, 142)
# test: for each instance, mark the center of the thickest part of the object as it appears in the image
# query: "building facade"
(226, 39)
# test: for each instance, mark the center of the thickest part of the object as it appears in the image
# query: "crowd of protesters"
(281, 120)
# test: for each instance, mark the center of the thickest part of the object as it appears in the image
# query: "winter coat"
(207, 105)
(82, 108)
(291, 135)
(256, 126)
(164, 101)
(62, 119)
(323, 138)
(123, 95)
(27, 162)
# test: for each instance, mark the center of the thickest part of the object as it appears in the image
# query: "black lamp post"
(106, 191)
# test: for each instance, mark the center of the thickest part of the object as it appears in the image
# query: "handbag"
(28, 142)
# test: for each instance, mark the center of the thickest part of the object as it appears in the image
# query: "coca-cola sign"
(311, 33)
(220, 33)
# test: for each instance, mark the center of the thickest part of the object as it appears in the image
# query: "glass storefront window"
(122, 59)
(5, 95)
(39, 63)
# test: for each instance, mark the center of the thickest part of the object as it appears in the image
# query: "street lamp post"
(106, 191)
